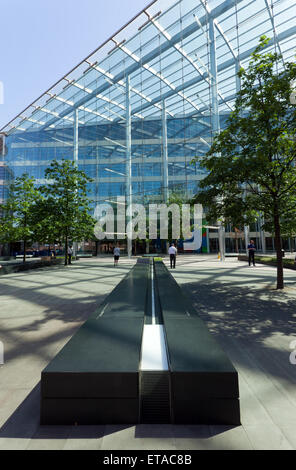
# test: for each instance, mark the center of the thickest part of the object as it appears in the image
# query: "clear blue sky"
(41, 40)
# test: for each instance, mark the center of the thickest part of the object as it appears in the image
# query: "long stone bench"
(144, 356)
(204, 383)
(95, 377)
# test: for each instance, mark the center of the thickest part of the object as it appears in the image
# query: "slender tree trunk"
(66, 251)
(278, 247)
(25, 247)
(25, 241)
(236, 243)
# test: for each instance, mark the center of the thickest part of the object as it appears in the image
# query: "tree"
(68, 215)
(178, 198)
(44, 217)
(251, 163)
(16, 223)
(230, 209)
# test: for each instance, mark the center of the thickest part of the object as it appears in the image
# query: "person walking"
(173, 254)
(116, 253)
(252, 249)
(70, 253)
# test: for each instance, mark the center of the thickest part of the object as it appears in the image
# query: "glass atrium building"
(135, 112)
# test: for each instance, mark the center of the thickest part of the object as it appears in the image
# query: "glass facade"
(135, 112)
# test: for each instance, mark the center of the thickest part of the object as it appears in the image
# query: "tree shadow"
(246, 321)
(24, 423)
(69, 309)
(249, 323)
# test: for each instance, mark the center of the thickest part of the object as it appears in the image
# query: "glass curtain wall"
(135, 112)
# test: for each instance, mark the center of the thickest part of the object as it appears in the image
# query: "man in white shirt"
(116, 253)
(173, 253)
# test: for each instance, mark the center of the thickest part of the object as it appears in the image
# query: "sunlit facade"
(135, 112)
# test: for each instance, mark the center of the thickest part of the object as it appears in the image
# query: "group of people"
(173, 253)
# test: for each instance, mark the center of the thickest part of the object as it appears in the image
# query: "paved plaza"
(255, 325)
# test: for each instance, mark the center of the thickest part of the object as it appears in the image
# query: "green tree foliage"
(178, 198)
(251, 163)
(44, 216)
(67, 215)
(16, 223)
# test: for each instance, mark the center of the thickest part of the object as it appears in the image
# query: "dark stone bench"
(95, 377)
(204, 383)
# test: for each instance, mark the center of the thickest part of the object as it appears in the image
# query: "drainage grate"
(155, 397)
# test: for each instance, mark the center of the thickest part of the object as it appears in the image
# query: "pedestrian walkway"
(253, 323)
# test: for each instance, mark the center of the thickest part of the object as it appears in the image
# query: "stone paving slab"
(255, 325)
(252, 322)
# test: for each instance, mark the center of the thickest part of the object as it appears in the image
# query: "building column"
(128, 168)
(238, 87)
(215, 114)
(246, 230)
(165, 170)
(75, 158)
(221, 236)
(208, 240)
(75, 138)
(213, 81)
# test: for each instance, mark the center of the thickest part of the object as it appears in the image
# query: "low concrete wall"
(19, 267)
(83, 255)
(258, 259)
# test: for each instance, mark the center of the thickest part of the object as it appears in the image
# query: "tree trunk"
(25, 241)
(236, 243)
(278, 247)
(66, 251)
(25, 247)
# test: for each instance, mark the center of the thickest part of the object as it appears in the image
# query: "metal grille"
(155, 397)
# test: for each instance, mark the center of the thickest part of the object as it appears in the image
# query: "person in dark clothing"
(252, 249)
(70, 253)
(173, 253)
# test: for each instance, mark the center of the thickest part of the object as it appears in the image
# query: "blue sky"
(41, 40)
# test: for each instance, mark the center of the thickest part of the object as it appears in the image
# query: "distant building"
(6, 172)
(150, 99)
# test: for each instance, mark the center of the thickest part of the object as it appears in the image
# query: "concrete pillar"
(128, 172)
(165, 171)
